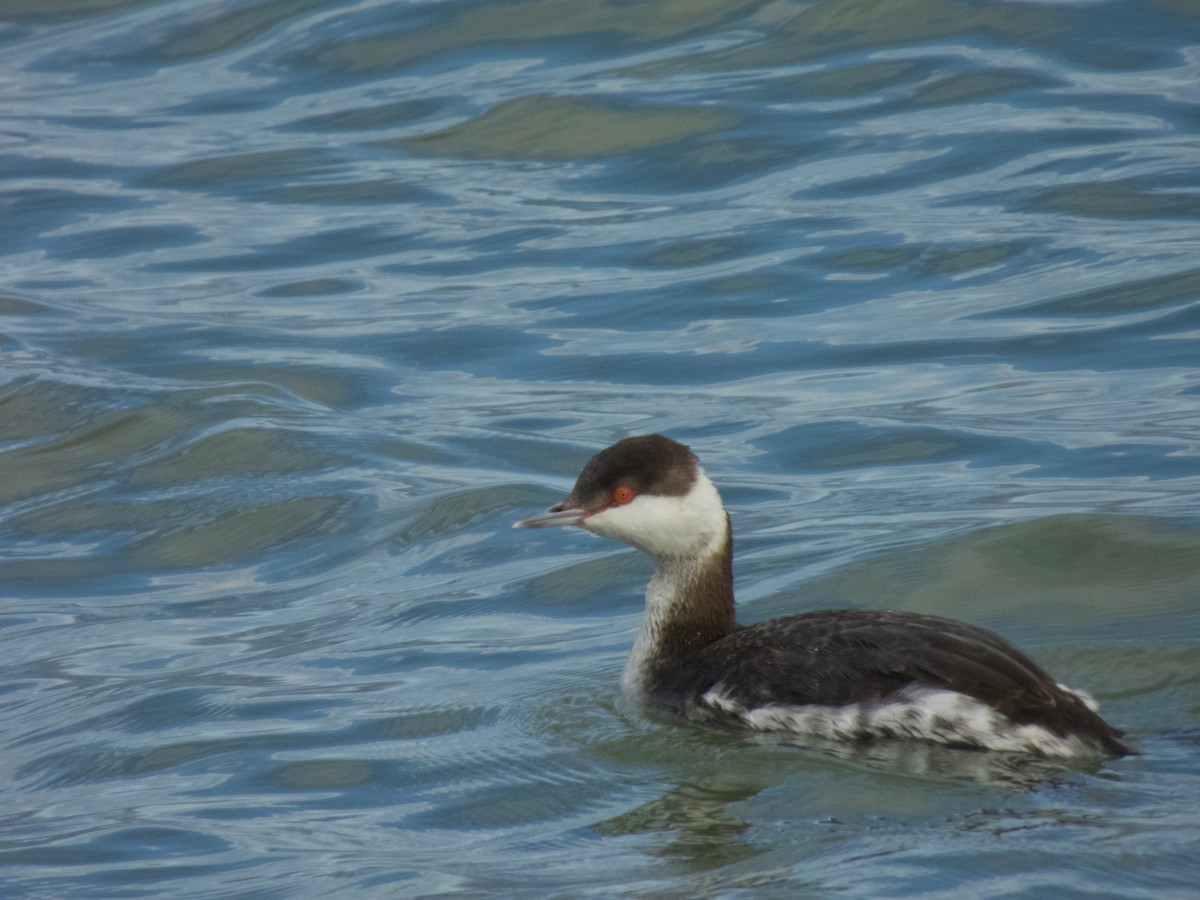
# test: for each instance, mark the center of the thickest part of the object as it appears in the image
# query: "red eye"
(623, 495)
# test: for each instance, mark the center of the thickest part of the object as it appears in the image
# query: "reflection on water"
(302, 304)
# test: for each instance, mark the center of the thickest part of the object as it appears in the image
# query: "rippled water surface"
(303, 303)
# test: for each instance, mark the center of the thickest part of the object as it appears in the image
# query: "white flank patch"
(915, 713)
(1085, 698)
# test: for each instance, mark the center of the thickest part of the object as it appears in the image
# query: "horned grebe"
(833, 674)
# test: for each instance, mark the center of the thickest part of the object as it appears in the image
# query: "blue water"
(303, 303)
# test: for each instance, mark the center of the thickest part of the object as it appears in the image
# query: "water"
(302, 304)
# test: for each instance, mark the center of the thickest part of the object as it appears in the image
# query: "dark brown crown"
(648, 463)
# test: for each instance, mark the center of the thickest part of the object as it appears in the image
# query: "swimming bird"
(843, 675)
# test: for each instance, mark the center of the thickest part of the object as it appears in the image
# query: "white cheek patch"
(925, 714)
(686, 525)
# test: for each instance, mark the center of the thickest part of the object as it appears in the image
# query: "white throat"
(684, 535)
(666, 593)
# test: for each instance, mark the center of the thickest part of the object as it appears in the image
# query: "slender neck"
(689, 605)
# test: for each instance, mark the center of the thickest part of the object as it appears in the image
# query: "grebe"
(834, 674)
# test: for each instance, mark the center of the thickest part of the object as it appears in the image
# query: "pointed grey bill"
(555, 515)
